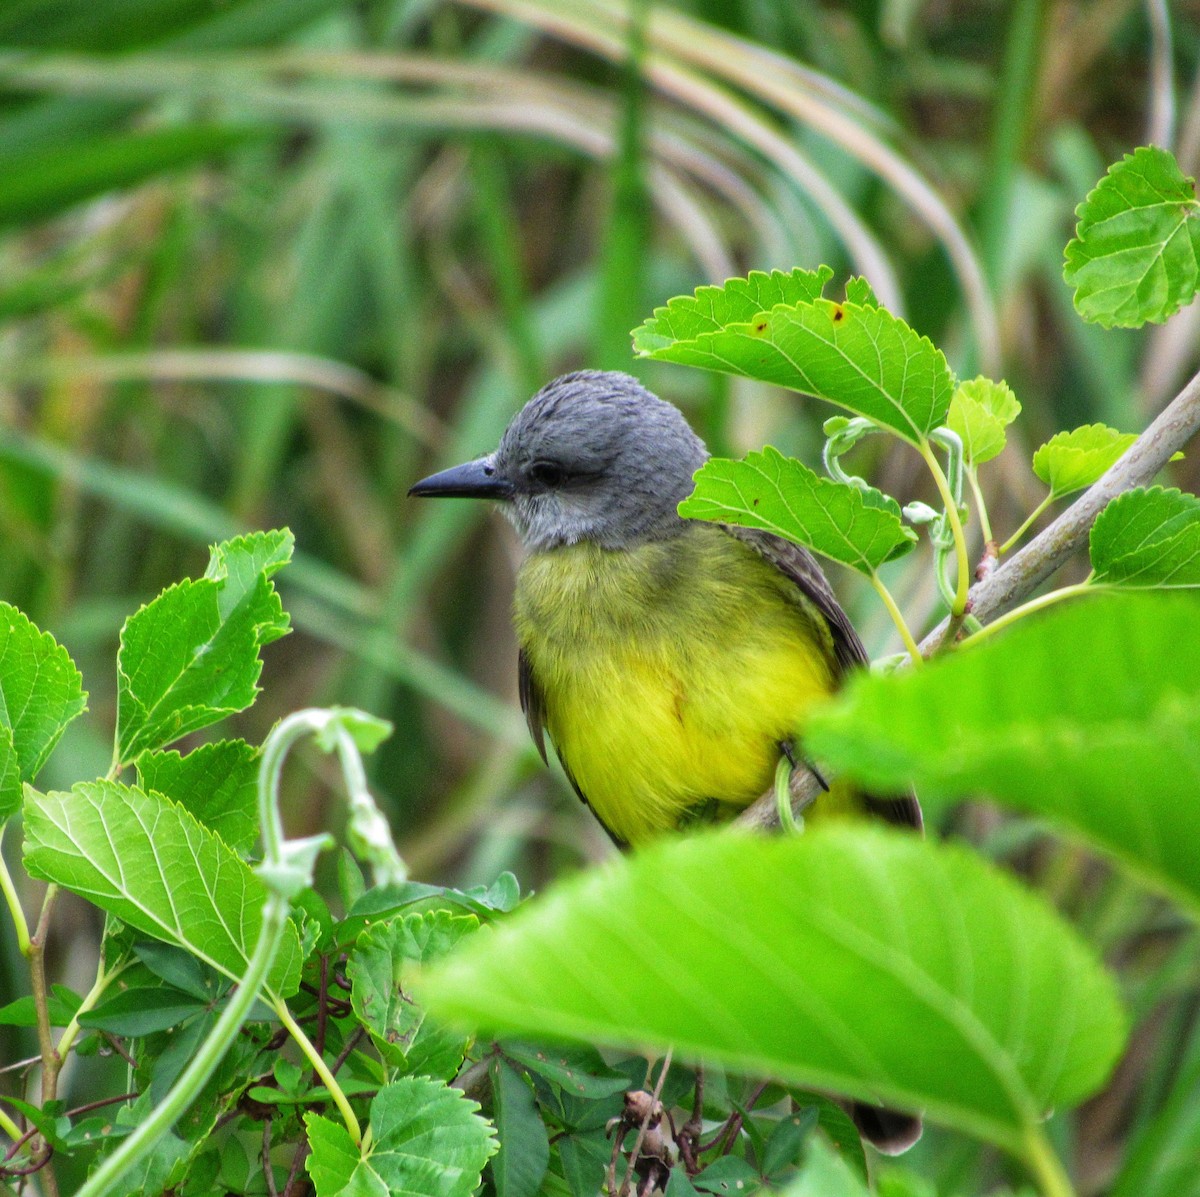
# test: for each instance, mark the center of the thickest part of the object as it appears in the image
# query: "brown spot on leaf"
(838, 313)
(761, 327)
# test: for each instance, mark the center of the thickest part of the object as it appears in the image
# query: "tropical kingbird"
(671, 661)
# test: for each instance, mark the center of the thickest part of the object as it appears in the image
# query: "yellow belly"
(670, 672)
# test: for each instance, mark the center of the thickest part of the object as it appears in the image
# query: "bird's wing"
(798, 565)
(534, 706)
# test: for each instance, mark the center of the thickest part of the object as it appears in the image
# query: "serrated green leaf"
(1069, 461)
(378, 969)
(190, 657)
(217, 782)
(367, 731)
(41, 691)
(858, 528)
(1136, 252)
(980, 410)
(854, 354)
(524, 1154)
(737, 300)
(1148, 538)
(151, 864)
(427, 1141)
(1088, 713)
(1015, 1013)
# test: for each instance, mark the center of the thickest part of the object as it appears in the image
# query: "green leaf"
(524, 1154)
(1088, 713)
(737, 300)
(1069, 461)
(855, 354)
(142, 1010)
(62, 1006)
(980, 410)
(1148, 538)
(1136, 251)
(41, 691)
(838, 1128)
(858, 528)
(217, 782)
(427, 1141)
(580, 1071)
(804, 959)
(151, 864)
(190, 657)
(378, 969)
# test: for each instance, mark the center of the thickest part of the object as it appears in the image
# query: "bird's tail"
(887, 1131)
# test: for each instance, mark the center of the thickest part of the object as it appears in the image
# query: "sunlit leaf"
(152, 865)
(854, 354)
(980, 410)
(1069, 461)
(811, 959)
(1088, 713)
(859, 528)
(41, 691)
(1148, 538)
(1136, 252)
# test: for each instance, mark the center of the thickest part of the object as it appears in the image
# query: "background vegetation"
(266, 262)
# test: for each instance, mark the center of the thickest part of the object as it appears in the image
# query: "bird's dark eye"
(547, 473)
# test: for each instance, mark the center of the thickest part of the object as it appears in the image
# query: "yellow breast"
(670, 672)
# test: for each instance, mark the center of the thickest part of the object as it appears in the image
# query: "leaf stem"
(959, 606)
(1035, 604)
(1012, 540)
(898, 619)
(103, 979)
(320, 1068)
(783, 797)
(985, 525)
(11, 1129)
(13, 901)
(1045, 1165)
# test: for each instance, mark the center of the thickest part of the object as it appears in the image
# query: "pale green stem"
(898, 619)
(204, 1063)
(1045, 1165)
(1012, 540)
(10, 1128)
(985, 525)
(783, 798)
(103, 981)
(1036, 604)
(959, 607)
(320, 1068)
(14, 902)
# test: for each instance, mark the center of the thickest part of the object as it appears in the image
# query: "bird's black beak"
(475, 480)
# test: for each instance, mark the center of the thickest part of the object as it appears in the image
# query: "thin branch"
(1016, 578)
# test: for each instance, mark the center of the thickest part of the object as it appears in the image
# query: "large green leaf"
(1089, 713)
(1148, 538)
(851, 958)
(854, 354)
(1136, 252)
(151, 864)
(859, 528)
(41, 691)
(427, 1141)
(190, 657)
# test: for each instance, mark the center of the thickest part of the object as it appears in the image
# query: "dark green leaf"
(858, 528)
(23, 1012)
(579, 1070)
(1088, 713)
(1015, 1014)
(1136, 252)
(524, 1153)
(142, 1011)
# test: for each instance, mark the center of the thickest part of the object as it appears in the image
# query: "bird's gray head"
(592, 456)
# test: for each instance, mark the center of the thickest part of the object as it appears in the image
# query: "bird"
(669, 661)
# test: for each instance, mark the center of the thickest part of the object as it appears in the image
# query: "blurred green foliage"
(266, 262)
